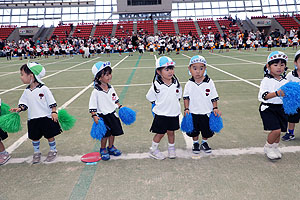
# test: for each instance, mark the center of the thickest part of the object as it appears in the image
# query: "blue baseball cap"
(164, 61)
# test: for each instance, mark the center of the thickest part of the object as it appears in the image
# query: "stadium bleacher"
(83, 30)
(124, 29)
(186, 26)
(207, 25)
(146, 26)
(62, 31)
(103, 29)
(166, 26)
(227, 25)
(287, 22)
(6, 30)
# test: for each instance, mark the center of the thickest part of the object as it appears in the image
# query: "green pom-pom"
(11, 123)
(4, 109)
(66, 120)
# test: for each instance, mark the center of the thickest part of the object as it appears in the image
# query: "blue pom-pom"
(187, 124)
(215, 123)
(127, 115)
(98, 130)
(153, 104)
(291, 99)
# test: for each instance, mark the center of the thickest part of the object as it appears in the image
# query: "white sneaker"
(171, 152)
(276, 150)
(269, 151)
(156, 154)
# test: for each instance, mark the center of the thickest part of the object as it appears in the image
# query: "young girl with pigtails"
(164, 94)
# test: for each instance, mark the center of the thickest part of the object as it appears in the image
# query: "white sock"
(275, 145)
(154, 146)
(171, 145)
(268, 145)
(196, 141)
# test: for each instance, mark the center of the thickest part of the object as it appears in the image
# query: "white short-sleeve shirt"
(270, 84)
(201, 96)
(103, 102)
(39, 102)
(166, 98)
(293, 76)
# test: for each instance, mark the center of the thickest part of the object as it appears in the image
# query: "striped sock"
(36, 146)
(4, 152)
(52, 145)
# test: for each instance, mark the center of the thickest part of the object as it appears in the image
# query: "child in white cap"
(42, 113)
(293, 76)
(103, 103)
(165, 94)
(271, 108)
(200, 99)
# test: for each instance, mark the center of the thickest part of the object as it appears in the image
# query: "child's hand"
(15, 110)
(280, 93)
(54, 116)
(96, 119)
(217, 112)
(186, 112)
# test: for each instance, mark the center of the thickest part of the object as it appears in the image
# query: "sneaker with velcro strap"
(288, 137)
(51, 156)
(114, 151)
(36, 158)
(4, 157)
(104, 154)
(196, 148)
(156, 154)
(204, 146)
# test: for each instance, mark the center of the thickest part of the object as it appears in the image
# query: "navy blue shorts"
(162, 124)
(201, 124)
(113, 124)
(273, 117)
(3, 135)
(44, 126)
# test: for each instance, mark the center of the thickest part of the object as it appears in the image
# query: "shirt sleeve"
(49, 97)
(93, 102)
(263, 90)
(151, 95)
(186, 92)
(214, 93)
(23, 100)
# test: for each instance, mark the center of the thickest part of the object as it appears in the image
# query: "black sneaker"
(204, 146)
(196, 148)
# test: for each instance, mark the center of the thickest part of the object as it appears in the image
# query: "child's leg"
(52, 144)
(37, 154)
(112, 150)
(171, 144)
(273, 136)
(103, 142)
(2, 148)
(154, 152)
(111, 141)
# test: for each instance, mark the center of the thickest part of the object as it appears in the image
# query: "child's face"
(105, 78)
(297, 64)
(26, 78)
(197, 70)
(276, 69)
(166, 73)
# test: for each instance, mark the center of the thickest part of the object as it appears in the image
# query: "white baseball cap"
(97, 67)
(38, 71)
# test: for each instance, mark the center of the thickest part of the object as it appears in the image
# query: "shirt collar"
(97, 87)
(205, 80)
(38, 86)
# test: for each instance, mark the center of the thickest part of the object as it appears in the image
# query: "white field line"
(8, 73)
(249, 61)
(234, 76)
(126, 68)
(136, 85)
(34, 61)
(48, 76)
(181, 153)
(22, 139)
